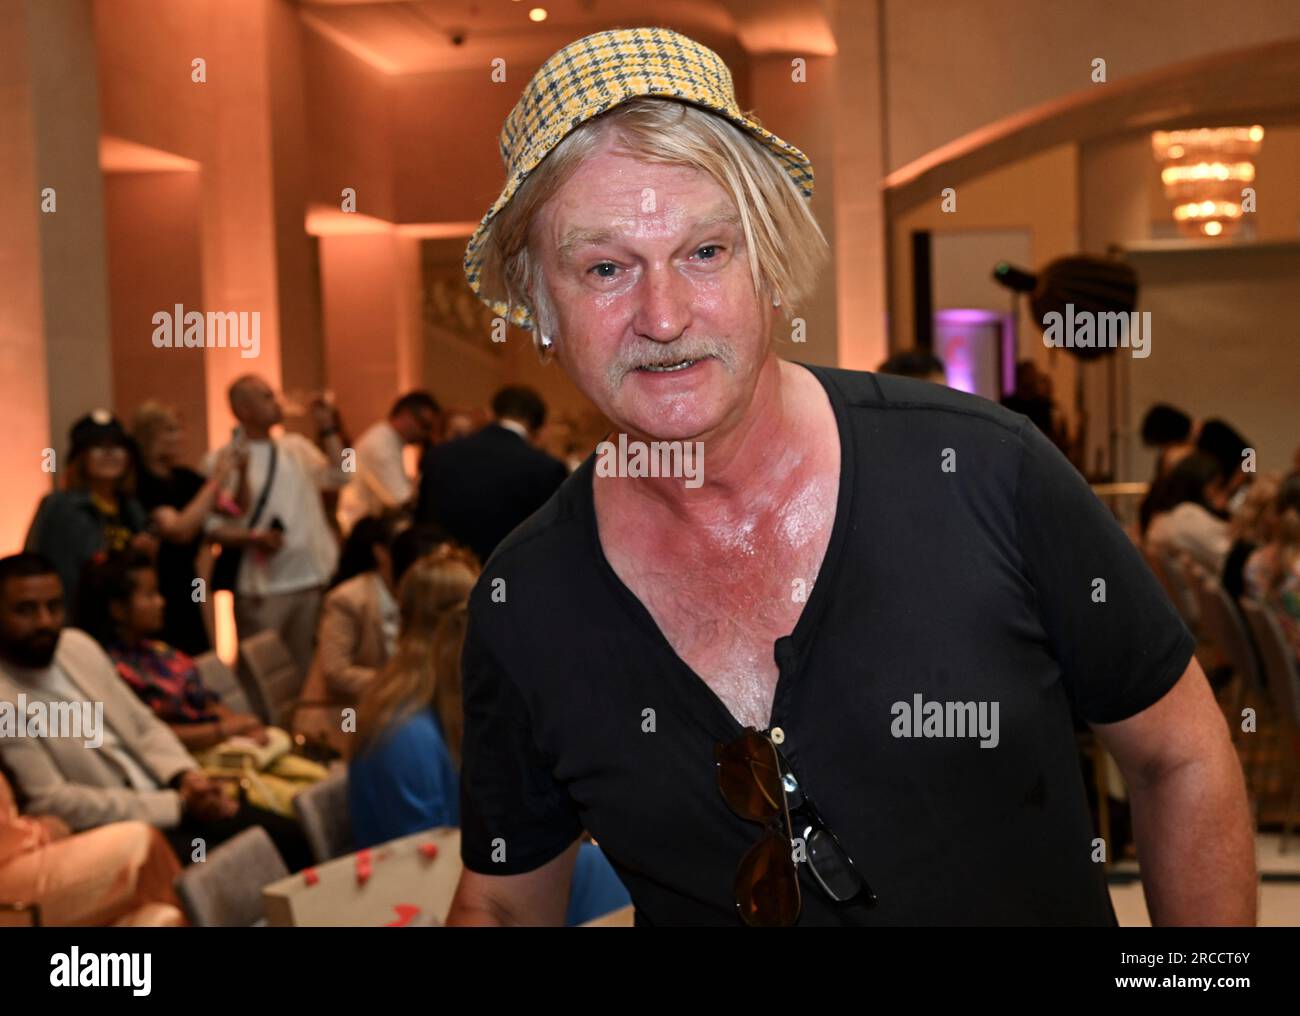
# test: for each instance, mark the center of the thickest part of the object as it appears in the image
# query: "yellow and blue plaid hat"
(590, 77)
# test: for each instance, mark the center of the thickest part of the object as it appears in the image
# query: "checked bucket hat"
(592, 76)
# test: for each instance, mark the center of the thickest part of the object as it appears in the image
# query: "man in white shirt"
(381, 482)
(288, 549)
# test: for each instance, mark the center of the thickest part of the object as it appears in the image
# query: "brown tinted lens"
(749, 779)
(767, 885)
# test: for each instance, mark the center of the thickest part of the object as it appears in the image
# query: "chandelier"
(1204, 172)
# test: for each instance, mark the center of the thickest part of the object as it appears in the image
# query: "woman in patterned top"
(121, 606)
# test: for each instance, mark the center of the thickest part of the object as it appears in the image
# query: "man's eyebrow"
(576, 238)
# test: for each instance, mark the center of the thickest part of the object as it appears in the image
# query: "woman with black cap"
(96, 510)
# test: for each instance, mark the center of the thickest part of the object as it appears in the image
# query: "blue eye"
(597, 270)
(710, 247)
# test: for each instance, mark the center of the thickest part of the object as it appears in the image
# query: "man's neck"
(745, 460)
(257, 433)
(23, 671)
(514, 426)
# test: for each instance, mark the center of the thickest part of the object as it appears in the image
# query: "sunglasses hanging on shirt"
(759, 785)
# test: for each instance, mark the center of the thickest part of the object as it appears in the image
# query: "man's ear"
(118, 611)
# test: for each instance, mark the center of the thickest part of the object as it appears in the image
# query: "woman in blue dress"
(403, 776)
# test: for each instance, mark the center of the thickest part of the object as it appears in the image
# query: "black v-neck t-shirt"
(968, 563)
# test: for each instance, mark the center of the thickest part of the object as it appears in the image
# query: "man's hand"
(267, 541)
(145, 543)
(228, 462)
(245, 725)
(53, 828)
(204, 799)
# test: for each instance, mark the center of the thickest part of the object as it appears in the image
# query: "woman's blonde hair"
(1256, 517)
(1287, 537)
(786, 246)
(424, 669)
(150, 420)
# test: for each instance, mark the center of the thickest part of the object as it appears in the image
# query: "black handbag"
(225, 572)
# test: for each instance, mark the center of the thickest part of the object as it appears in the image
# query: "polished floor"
(1279, 896)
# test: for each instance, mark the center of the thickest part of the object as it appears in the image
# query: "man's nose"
(664, 311)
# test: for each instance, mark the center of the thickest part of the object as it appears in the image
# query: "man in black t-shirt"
(777, 584)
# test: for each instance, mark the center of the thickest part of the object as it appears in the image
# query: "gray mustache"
(667, 355)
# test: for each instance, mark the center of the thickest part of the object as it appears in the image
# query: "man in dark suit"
(482, 486)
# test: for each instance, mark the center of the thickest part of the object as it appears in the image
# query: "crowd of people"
(1206, 501)
(361, 569)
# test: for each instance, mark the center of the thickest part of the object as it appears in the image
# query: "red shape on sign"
(405, 915)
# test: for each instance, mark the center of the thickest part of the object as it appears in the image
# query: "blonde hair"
(1287, 533)
(1256, 517)
(785, 244)
(427, 657)
(150, 420)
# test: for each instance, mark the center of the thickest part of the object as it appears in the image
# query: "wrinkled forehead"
(613, 196)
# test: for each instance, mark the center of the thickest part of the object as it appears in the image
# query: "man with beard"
(138, 770)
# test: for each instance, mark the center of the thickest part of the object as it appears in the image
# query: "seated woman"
(1273, 571)
(1188, 514)
(1252, 525)
(358, 624)
(403, 777)
(119, 874)
(120, 605)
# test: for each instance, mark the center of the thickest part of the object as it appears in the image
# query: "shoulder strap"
(266, 489)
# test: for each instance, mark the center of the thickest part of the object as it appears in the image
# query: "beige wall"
(361, 279)
(953, 67)
(1223, 344)
(803, 113)
(54, 350)
(154, 264)
(1038, 195)
(23, 373)
(348, 121)
(231, 125)
(859, 262)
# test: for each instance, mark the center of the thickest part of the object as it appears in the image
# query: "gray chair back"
(1278, 661)
(225, 891)
(1181, 589)
(1223, 625)
(271, 675)
(323, 814)
(221, 679)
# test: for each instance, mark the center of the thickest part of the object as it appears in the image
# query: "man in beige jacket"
(80, 746)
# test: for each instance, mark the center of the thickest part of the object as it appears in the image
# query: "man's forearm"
(1195, 843)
